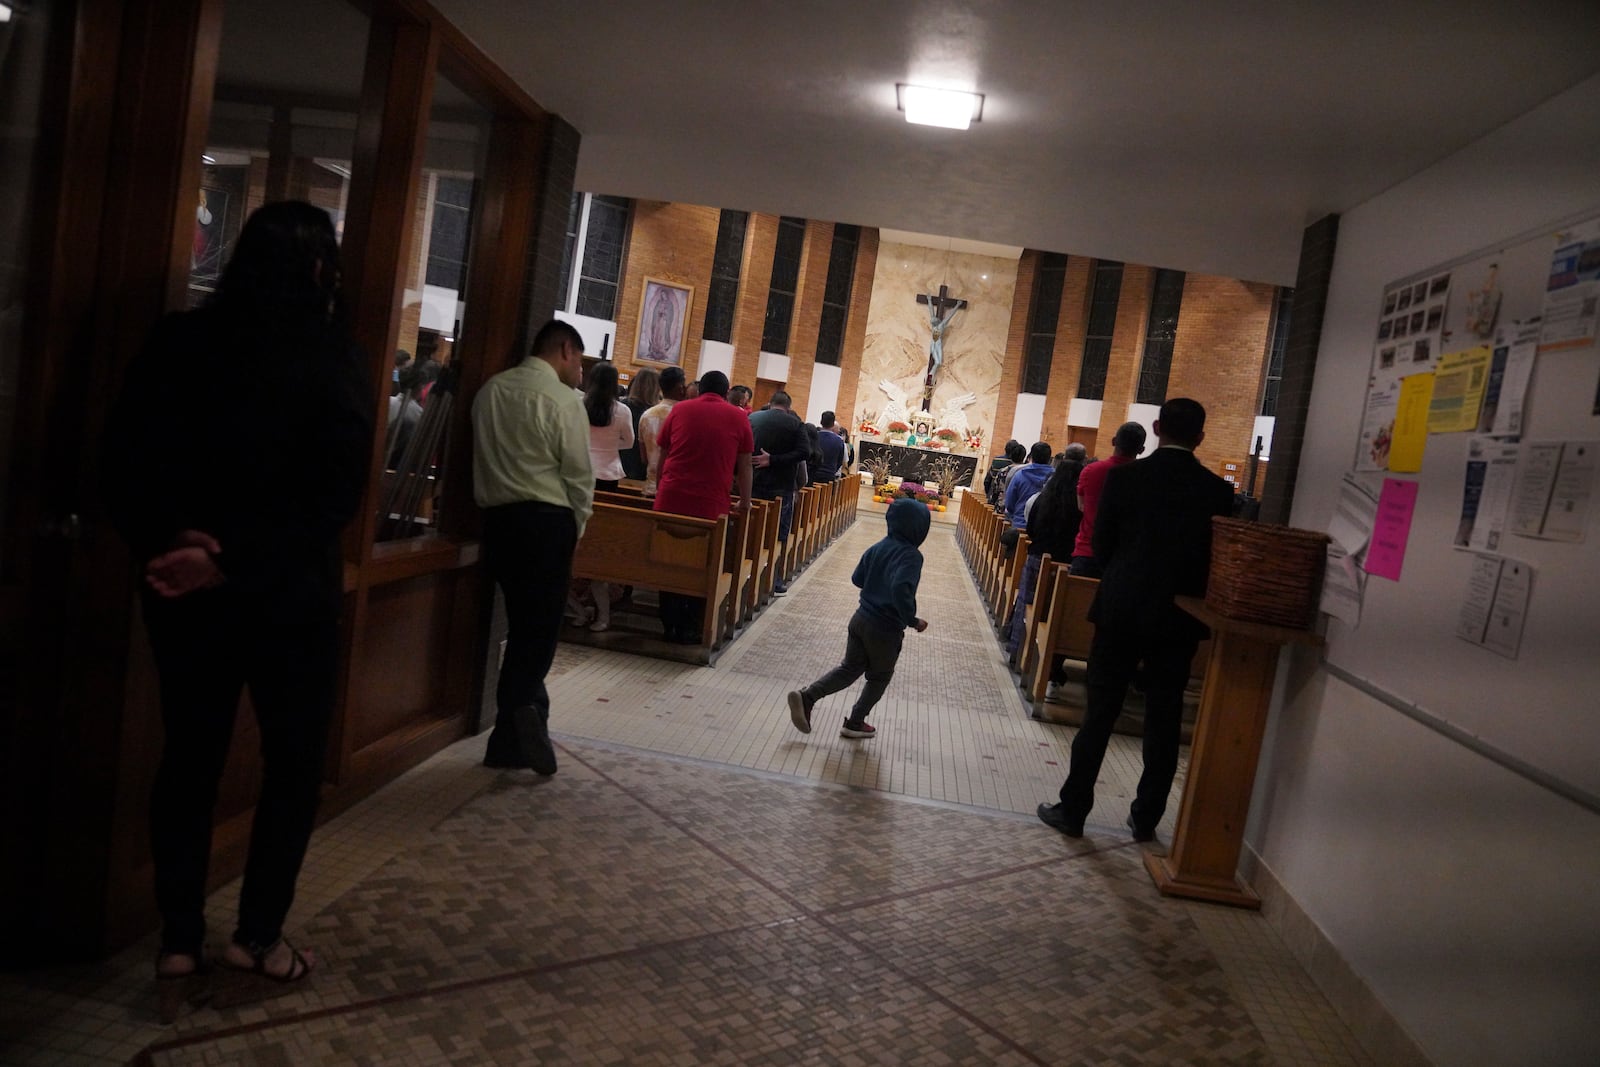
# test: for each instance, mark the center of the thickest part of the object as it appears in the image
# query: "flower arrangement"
(899, 427)
(866, 427)
(948, 436)
(975, 439)
(920, 492)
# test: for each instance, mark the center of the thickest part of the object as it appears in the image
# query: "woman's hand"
(187, 567)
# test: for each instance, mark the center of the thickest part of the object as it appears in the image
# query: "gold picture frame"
(664, 309)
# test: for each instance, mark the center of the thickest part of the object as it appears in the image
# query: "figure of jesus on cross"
(941, 309)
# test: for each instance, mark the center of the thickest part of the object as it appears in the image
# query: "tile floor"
(701, 884)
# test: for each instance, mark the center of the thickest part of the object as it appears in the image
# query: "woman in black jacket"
(1052, 526)
(236, 454)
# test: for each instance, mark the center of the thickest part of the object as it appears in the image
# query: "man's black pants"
(527, 549)
(1113, 658)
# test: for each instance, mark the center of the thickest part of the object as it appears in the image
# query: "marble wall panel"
(898, 334)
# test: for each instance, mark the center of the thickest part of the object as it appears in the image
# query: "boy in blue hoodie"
(887, 575)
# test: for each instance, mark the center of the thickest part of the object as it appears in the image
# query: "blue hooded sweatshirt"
(890, 570)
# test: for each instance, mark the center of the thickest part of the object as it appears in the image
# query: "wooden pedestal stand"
(1204, 859)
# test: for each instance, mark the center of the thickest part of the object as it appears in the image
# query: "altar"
(910, 462)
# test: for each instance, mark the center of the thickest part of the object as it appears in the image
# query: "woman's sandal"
(173, 991)
(243, 985)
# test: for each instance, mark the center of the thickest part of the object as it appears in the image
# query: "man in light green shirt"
(531, 476)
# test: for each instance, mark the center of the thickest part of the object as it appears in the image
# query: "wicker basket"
(1264, 573)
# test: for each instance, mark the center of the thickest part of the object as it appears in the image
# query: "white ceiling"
(1199, 136)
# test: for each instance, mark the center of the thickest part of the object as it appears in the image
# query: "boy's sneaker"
(800, 711)
(857, 729)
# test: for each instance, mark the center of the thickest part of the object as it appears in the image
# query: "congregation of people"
(235, 596)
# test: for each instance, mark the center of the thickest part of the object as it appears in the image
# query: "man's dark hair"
(1040, 452)
(401, 357)
(1015, 452)
(740, 394)
(714, 381)
(1129, 439)
(550, 336)
(827, 420)
(671, 378)
(1183, 421)
(780, 399)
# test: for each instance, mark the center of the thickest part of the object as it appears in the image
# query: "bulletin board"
(1538, 707)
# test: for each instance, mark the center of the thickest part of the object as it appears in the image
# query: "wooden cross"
(941, 309)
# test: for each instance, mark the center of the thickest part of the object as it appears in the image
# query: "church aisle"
(742, 893)
(953, 726)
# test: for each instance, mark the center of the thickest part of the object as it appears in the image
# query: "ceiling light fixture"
(5, 12)
(949, 108)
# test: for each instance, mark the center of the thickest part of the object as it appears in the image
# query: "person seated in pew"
(705, 447)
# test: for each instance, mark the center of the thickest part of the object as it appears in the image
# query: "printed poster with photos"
(1410, 322)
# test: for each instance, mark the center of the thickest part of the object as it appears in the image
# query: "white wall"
(714, 355)
(597, 334)
(1463, 894)
(1028, 418)
(824, 392)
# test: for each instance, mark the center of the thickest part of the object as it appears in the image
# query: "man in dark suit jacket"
(781, 446)
(1153, 533)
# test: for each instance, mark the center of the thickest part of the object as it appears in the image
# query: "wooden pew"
(1005, 593)
(1033, 616)
(631, 545)
(751, 540)
(1064, 629)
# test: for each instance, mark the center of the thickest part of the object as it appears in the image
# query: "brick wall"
(855, 329)
(1016, 346)
(807, 318)
(1218, 359)
(1067, 357)
(674, 243)
(755, 279)
(1127, 348)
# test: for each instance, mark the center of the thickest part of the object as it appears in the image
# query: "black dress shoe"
(1138, 834)
(1052, 815)
(533, 738)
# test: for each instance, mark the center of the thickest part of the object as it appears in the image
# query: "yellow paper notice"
(1458, 384)
(1411, 424)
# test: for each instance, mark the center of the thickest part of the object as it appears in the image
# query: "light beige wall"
(898, 336)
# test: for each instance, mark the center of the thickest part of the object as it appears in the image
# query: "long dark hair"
(284, 275)
(1058, 500)
(601, 399)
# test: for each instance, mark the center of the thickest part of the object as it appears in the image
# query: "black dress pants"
(209, 646)
(527, 549)
(1113, 658)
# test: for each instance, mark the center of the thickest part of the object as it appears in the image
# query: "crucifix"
(941, 309)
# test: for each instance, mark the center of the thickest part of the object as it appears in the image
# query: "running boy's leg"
(856, 663)
(882, 647)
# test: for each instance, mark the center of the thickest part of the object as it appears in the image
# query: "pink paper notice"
(1391, 529)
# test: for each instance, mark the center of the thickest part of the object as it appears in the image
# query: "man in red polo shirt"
(1126, 445)
(705, 445)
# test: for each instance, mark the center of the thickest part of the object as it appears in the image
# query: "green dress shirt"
(531, 442)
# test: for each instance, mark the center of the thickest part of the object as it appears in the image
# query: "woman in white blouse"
(610, 431)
